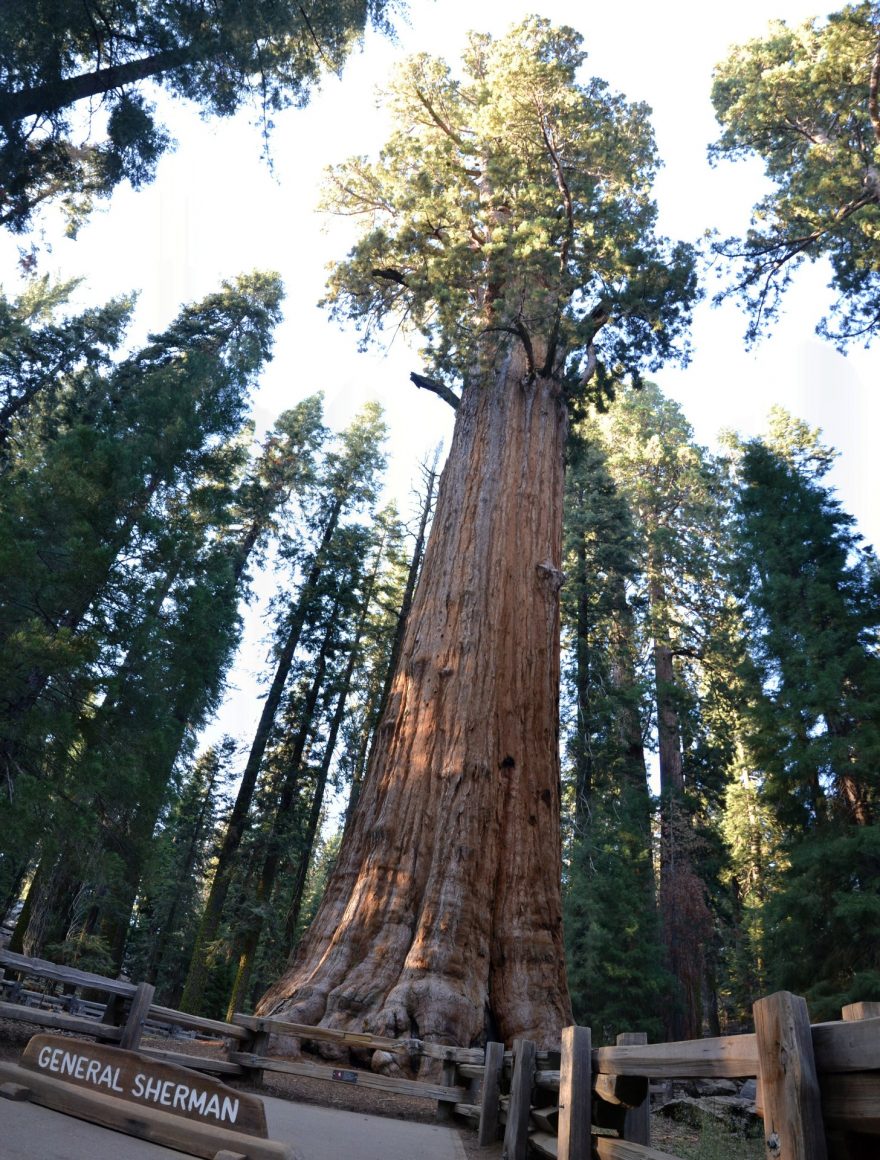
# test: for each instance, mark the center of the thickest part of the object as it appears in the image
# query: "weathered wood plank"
(468, 1112)
(61, 1021)
(607, 1148)
(861, 1011)
(490, 1094)
(405, 1087)
(546, 1078)
(852, 1101)
(546, 1120)
(637, 1120)
(793, 1125)
(730, 1055)
(156, 1126)
(199, 1023)
(359, 1039)
(195, 1062)
(575, 1094)
(137, 1016)
(43, 969)
(516, 1132)
(545, 1144)
(471, 1070)
(446, 1110)
(627, 1091)
(849, 1046)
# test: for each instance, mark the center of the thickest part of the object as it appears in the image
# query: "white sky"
(215, 210)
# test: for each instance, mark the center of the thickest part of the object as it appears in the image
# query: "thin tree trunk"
(142, 822)
(308, 844)
(247, 943)
(187, 870)
(684, 915)
(197, 976)
(444, 909)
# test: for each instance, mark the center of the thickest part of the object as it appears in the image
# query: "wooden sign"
(149, 1083)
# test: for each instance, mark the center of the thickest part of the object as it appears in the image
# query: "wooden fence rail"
(818, 1086)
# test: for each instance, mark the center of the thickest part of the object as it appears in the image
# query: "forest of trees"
(600, 683)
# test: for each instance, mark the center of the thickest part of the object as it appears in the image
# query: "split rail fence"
(818, 1085)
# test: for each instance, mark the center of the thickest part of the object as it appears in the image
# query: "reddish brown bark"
(443, 916)
(684, 915)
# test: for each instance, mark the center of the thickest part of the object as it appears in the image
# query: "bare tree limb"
(439, 389)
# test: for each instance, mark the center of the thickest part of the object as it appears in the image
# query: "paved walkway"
(29, 1132)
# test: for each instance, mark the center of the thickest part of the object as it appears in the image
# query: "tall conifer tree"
(507, 220)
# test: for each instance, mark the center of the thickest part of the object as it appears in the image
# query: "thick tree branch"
(389, 275)
(314, 37)
(561, 184)
(439, 389)
(598, 316)
(444, 126)
(43, 100)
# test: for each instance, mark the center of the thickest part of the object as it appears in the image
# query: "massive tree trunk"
(443, 917)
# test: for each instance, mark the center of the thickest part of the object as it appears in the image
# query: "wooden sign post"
(144, 1097)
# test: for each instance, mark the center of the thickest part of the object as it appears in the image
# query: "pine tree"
(813, 599)
(171, 887)
(670, 486)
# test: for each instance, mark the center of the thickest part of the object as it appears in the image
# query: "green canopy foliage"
(512, 199)
(805, 100)
(55, 54)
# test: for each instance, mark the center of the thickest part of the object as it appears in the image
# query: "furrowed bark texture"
(443, 916)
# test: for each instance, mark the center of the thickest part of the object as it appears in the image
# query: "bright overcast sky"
(215, 210)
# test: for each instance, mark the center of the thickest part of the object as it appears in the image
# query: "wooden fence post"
(141, 1002)
(516, 1131)
(637, 1121)
(445, 1108)
(491, 1094)
(793, 1126)
(856, 1011)
(575, 1095)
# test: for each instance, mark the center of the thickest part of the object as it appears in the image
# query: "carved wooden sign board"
(149, 1083)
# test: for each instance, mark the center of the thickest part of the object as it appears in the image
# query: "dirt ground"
(14, 1035)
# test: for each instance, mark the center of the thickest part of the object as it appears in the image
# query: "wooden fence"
(818, 1086)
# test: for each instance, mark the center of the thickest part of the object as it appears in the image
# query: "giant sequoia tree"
(508, 218)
